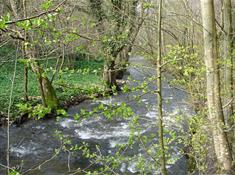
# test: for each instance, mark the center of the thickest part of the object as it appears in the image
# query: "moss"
(51, 100)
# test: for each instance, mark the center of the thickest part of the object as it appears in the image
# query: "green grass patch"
(84, 77)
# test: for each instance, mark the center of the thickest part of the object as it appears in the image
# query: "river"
(34, 142)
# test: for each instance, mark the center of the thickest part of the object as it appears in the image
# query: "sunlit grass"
(68, 82)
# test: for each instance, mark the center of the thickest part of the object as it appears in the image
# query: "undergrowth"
(84, 77)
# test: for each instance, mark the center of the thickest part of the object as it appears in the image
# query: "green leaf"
(23, 60)
(4, 20)
(46, 4)
(62, 112)
(14, 173)
(26, 25)
(147, 5)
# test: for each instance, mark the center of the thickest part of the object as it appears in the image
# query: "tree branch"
(38, 15)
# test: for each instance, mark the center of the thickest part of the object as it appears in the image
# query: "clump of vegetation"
(85, 76)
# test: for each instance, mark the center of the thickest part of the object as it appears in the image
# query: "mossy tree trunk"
(49, 98)
(48, 95)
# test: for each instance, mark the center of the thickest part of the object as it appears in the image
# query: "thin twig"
(46, 161)
(229, 102)
(36, 16)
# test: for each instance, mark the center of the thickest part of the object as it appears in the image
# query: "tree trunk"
(109, 74)
(26, 71)
(221, 145)
(49, 98)
(228, 49)
(121, 62)
(47, 91)
(48, 94)
(159, 93)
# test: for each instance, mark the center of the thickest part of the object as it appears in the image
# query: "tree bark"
(159, 93)
(49, 98)
(109, 74)
(221, 145)
(228, 49)
(26, 71)
(121, 61)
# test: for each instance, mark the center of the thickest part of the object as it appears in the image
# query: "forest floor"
(83, 78)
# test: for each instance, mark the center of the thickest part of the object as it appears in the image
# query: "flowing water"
(34, 142)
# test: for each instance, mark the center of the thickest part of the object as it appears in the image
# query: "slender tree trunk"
(221, 145)
(233, 57)
(26, 71)
(159, 93)
(228, 57)
(228, 49)
(192, 36)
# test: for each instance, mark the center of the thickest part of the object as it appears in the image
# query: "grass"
(85, 76)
